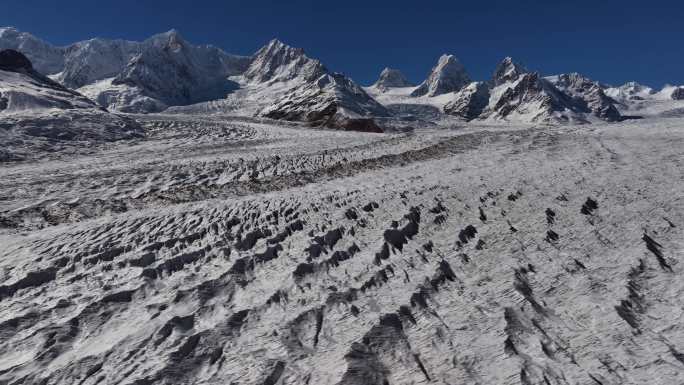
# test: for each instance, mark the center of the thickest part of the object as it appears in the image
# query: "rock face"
(587, 92)
(677, 93)
(469, 102)
(24, 89)
(448, 75)
(11, 60)
(391, 78)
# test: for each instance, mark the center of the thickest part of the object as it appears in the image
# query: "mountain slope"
(523, 96)
(131, 76)
(38, 115)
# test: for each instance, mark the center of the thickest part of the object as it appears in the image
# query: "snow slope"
(38, 115)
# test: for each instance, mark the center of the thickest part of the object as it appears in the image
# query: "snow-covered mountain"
(39, 113)
(520, 95)
(147, 76)
(391, 78)
(639, 100)
(515, 94)
(588, 92)
(469, 102)
(630, 91)
(166, 73)
(299, 88)
(448, 75)
(46, 58)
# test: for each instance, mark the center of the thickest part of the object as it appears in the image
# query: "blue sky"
(611, 41)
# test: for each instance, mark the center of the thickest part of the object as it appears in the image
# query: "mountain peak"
(391, 78)
(277, 61)
(508, 70)
(171, 39)
(449, 75)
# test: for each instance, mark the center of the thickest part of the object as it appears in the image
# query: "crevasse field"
(231, 251)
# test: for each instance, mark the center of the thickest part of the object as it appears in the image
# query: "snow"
(182, 201)
(212, 244)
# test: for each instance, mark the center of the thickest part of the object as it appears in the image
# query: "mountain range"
(167, 73)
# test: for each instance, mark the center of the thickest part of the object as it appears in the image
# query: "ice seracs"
(448, 75)
(391, 78)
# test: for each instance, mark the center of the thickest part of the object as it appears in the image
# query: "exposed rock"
(677, 93)
(11, 60)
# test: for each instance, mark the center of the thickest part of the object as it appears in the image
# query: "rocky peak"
(508, 70)
(391, 78)
(277, 61)
(448, 75)
(587, 94)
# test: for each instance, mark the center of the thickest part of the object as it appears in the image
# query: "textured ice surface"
(234, 251)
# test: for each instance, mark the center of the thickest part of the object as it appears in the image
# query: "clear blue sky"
(611, 41)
